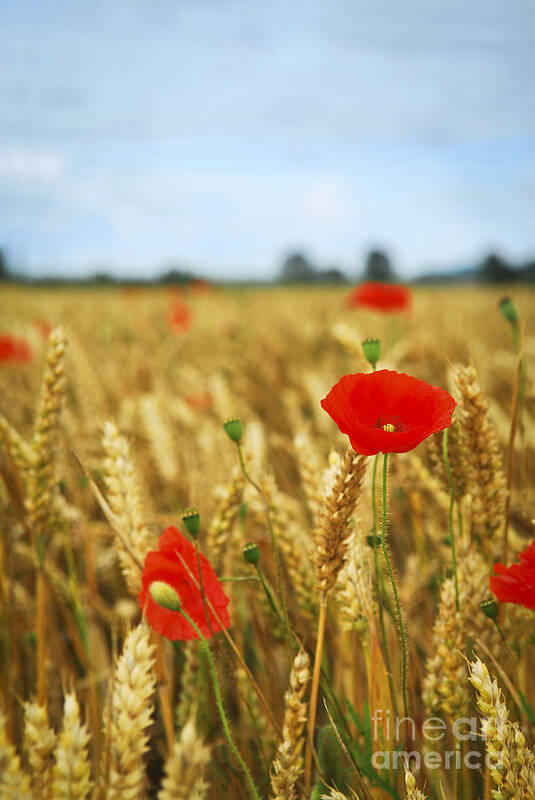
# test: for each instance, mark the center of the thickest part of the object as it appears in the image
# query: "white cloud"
(21, 164)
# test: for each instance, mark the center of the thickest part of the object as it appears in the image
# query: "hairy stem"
(449, 475)
(399, 614)
(380, 589)
(510, 455)
(222, 713)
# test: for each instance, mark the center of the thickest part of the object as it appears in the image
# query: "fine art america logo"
(393, 739)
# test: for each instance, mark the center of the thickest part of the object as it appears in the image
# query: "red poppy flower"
(43, 327)
(13, 349)
(199, 400)
(165, 565)
(179, 316)
(131, 291)
(387, 411)
(175, 291)
(516, 584)
(380, 297)
(200, 286)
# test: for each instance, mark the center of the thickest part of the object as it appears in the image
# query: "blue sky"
(220, 134)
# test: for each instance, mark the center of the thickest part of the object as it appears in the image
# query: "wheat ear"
(41, 483)
(125, 502)
(333, 532)
(330, 555)
(334, 794)
(288, 764)
(411, 790)
(484, 461)
(14, 783)
(184, 770)
(131, 715)
(512, 764)
(39, 743)
(71, 773)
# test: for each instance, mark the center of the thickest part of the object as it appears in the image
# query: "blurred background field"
(267, 354)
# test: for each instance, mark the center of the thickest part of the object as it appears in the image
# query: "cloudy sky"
(222, 133)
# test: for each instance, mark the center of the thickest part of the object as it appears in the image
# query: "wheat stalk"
(220, 528)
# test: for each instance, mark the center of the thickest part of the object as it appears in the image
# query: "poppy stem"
(449, 475)
(314, 692)
(265, 705)
(515, 403)
(379, 587)
(201, 585)
(399, 614)
(219, 702)
(269, 593)
(276, 553)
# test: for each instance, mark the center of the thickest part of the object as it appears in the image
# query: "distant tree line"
(297, 268)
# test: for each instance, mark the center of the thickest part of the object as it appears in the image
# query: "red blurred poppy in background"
(200, 286)
(14, 350)
(166, 566)
(387, 411)
(131, 291)
(43, 327)
(199, 400)
(516, 584)
(380, 297)
(175, 291)
(179, 316)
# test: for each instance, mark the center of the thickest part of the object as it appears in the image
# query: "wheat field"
(115, 427)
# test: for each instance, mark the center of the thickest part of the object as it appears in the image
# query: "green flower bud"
(251, 553)
(234, 429)
(192, 521)
(509, 311)
(164, 595)
(370, 540)
(489, 608)
(372, 351)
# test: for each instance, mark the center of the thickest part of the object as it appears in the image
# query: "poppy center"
(393, 426)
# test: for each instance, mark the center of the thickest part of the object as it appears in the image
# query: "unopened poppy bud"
(372, 351)
(164, 595)
(489, 608)
(234, 429)
(373, 541)
(192, 521)
(251, 553)
(509, 311)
